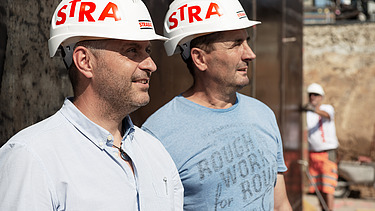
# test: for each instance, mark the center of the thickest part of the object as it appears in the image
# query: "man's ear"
(83, 59)
(199, 59)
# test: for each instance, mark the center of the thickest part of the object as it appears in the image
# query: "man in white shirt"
(89, 155)
(322, 144)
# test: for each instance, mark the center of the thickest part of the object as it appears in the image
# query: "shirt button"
(109, 138)
(101, 144)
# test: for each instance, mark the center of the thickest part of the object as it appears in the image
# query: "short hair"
(202, 42)
(89, 44)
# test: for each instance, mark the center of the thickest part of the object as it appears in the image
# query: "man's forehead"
(234, 35)
(133, 43)
(228, 38)
(314, 94)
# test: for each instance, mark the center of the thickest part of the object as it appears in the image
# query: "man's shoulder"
(327, 108)
(151, 143)
(145, 136)
(248, 99)
(167, 107)
(37, 132)
(254, 103)
(165, 113)
(32, 141)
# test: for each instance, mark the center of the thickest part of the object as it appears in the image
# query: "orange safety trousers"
(323, 172)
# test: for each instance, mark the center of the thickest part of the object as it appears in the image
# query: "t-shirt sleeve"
(280, 158)
(280, 155)
(329, 109)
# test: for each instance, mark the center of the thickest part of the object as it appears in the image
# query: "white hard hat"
(188, 19)
(76, 20)
(315, 88)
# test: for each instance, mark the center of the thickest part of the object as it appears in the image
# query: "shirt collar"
(95, 133)
(128, 127)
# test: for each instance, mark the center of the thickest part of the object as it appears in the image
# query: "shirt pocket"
(162, 186)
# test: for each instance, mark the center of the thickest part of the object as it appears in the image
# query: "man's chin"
(243, 84)
(143, 101)
(137, 105)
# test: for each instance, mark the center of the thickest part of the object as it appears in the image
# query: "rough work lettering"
(246, 171)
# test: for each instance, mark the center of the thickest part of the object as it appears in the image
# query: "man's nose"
(148, 65)
(248, 54)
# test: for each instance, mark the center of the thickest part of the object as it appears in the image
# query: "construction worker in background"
(226, 146)
(89, 155)
(323, 143)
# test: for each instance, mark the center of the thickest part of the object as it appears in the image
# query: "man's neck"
(102, 115)
(210, 98)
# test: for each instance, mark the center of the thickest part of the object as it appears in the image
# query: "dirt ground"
(311, 203)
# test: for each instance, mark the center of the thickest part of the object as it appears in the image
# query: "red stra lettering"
(73, 7)
(182, 13)
(195, 14)
(213, 9)
(106, 13)
(241, 15)
(62, 15)
(83, 12)
(173, 20)
(145, 24)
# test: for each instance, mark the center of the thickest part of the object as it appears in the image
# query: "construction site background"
(340, 57)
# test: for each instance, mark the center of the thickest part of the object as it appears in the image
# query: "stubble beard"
(118, 97)
(122, 100)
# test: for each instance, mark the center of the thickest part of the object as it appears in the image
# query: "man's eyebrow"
(137, 45)
(132, 45)
(239, 41)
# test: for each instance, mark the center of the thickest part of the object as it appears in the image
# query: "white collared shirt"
(67, 162)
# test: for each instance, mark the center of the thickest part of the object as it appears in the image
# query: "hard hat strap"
(185, 50)
(67, 54)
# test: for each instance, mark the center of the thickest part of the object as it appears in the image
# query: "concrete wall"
(342, 59)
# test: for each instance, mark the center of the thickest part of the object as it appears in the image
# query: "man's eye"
(148, 50)
(131, 50)
(237, 43)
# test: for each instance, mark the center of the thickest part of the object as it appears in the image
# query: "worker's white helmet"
(315, 88)
(77, 20)
(188, 19)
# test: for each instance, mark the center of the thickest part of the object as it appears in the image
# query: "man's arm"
(316, 109)
(280, 196)
(23, 182)
(322, 113)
